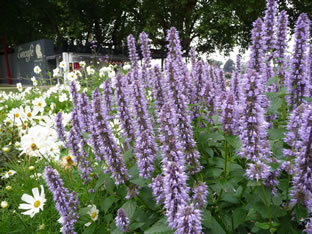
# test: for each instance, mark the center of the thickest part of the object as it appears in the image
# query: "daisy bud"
(31, 168)
(8, 188)
(5, 149)
(4, 204)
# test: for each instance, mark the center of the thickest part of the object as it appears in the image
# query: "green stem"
(225, 158)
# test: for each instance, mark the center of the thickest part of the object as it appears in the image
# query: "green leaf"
(101, 181)
(239, 216)
(139, 181)
(262, 225)
(277, 133)
(271, 80)
(301, 212)
(252, 214)
(161, 227)
(276, 104)
(210, 222)
(108, 202)
(84, 211)
(130, 207)
(234, 141)
(90, 229)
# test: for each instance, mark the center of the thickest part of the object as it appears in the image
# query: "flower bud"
(4, 204)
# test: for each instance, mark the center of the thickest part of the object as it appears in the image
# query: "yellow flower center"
(28, 114)
(33, 146)
(16, 115)
(69, 159)
(93, 215)
(10, 172)
(39, 104)
(37, 204)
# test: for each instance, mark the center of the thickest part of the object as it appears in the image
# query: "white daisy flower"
(33, 203)
(71, 76)
(39, 104)
(34, 80)
(29, 114)
(126, 67)
(94, 214)
(63, 64)
(82, 64)
(56, 72)
(90, 71)
(8, 174)
(37, 69)
(19, 87)
(63, 97)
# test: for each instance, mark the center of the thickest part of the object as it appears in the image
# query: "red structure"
(5, 49)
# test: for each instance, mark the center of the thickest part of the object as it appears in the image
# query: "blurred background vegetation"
(208, 24)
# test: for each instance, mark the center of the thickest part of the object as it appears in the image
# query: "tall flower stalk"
(298, 80)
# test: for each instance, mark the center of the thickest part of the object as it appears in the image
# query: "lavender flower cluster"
(67, 203)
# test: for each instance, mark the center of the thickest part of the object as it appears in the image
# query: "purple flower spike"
(302, 185)
(67, 203)
(258, 171)
(229, 115)
(177, 100)
(74, 93)
(60, 127)
(235, 84)
(193, 58)
(174, 181)
(200, 191)
(292, 137)
(84, 115)
(123, 110)
(238, 67)
(107, 99)
(134, 58)
(189, 220)
(145, 148)
(281, 47)
(157, 186)
(174, 46)
(298, 81)
(257, 47)
(269, 27)
(106, 142)
(158, 89)
(255, 145)
(309, 94)
(145, 50)
(122, 220)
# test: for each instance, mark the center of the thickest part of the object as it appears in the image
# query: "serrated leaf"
(108, 202)
(239, 216)
(130, 207)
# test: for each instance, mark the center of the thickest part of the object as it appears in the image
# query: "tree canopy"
(210, 24)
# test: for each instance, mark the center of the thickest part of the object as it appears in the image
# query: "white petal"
(87, 224)
(27, 198)
(42, 195)
(35, 192)
(25, 206)
(29, 212)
